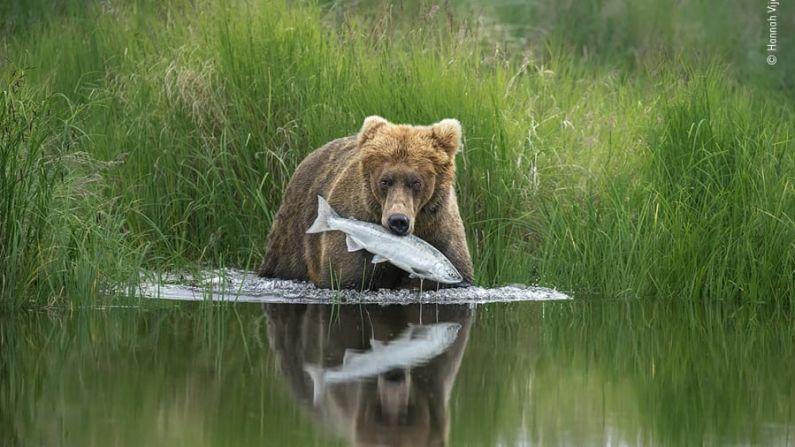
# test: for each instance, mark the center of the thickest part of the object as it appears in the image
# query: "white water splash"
(246, 287)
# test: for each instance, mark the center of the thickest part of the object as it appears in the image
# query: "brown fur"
(385, 169)
(410, 411)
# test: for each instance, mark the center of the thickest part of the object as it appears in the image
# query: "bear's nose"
(395, 375)
(399, 223)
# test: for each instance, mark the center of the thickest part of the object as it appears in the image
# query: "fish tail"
(318, 382)
(324, 212)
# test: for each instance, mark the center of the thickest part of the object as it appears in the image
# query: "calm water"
(536, 373)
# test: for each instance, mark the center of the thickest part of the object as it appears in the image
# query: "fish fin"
(324, 212)
(418, 331)
(406, 333)
(318, 382)
(352, 244)
(349, 356)
(419, 273)
(378, 259)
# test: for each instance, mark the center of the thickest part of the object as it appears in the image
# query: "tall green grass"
(60, 234)
(705, 209)
(664, 177)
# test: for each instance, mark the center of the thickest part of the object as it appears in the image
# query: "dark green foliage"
(172, 128)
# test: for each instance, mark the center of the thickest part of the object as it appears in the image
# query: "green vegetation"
(598, 159)
(59, 233)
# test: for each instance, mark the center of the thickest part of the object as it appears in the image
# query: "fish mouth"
(452, 279)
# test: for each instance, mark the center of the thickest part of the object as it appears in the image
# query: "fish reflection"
(378, 375)
(414, 346)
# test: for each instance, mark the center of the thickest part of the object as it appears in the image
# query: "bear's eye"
(385, 182)
(416, 185)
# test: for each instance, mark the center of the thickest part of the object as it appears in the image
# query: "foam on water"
(247, 287)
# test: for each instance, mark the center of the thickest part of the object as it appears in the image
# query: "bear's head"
(408, 169)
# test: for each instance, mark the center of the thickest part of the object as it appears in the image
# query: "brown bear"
(401, 176)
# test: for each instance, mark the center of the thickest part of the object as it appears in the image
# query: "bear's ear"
(447, 134)
(370, 127)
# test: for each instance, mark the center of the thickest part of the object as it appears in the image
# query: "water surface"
(535, 373)
(240, 286)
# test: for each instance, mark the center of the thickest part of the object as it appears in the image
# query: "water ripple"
(246, 287)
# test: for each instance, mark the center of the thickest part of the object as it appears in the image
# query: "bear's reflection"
(399, 406)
